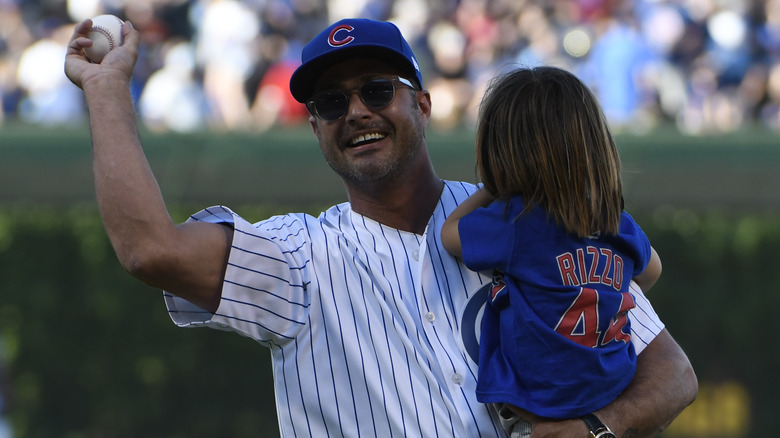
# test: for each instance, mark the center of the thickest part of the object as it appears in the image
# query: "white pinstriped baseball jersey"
(373, 331)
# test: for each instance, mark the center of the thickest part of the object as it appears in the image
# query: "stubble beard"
(353, 172)
(386, 167)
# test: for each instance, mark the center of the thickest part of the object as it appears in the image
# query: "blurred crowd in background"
(705, 66)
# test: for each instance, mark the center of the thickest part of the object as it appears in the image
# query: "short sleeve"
(263, 293)
(486, 238)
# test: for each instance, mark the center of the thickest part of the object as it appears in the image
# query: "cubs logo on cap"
(351, 38)
(336, 39)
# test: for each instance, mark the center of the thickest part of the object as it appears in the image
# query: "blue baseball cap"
(351, 38)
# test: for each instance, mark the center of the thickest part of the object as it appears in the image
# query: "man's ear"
(313, 123)
(424, 103)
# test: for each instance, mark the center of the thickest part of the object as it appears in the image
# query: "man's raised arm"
(189, 259)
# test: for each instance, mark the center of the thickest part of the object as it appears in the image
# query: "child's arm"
(450, 237)
(650, 275)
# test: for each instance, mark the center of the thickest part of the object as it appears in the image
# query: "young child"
(549, 221)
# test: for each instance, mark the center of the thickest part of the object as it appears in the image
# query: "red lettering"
(566, 268)
(593, 277)
(618, 272)
(581, 321)
(581, 263)
(615, 331)
(586, 268)
(605, 278)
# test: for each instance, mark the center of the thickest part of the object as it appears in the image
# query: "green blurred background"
(87, 351)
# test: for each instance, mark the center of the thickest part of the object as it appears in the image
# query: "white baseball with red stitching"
(106, 35)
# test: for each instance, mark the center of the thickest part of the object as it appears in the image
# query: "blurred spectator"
(274, 105)
(226, 35)
(48, 97)
(705, 66)
(617, 59)
(172, 99)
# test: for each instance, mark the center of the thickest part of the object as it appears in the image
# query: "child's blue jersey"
(555, 335)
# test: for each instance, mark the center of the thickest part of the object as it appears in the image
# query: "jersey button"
(430, 317)
(457, 379)
(416, 255)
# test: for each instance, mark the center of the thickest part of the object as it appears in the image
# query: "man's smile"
(363, 139)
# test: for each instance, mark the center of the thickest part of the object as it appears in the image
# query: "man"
(372, 326)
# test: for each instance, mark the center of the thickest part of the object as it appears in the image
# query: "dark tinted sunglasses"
(375, 94)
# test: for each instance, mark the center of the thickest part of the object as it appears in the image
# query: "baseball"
(106, 35)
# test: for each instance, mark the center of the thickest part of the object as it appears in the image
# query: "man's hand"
(118, 63)
(664, 384)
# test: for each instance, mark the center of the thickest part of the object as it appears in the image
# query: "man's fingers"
(79, 43)
(129, 34)
(82, 28)
(79, 39)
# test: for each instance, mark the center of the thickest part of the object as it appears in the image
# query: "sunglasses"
(375, 94)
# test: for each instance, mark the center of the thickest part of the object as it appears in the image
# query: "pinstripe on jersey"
(369, 327)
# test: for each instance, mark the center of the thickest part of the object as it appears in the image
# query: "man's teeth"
(367, 137)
